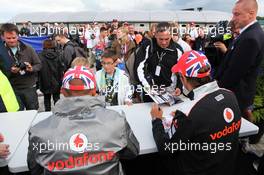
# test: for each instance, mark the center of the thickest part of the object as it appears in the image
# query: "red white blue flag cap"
(79, 72)
(190, 63)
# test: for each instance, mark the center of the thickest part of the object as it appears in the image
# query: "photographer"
(25, 65)
(219, 39)
(222, 46)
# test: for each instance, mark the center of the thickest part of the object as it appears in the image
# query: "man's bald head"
(250, 6)
(244, 12)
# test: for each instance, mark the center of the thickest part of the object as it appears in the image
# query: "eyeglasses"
(107, 64)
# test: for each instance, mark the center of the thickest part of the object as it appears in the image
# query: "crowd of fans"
(92, 40)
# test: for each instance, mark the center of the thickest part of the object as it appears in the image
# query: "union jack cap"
(190, 63)
(79, 72)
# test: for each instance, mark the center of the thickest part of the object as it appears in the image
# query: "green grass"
(259, 98)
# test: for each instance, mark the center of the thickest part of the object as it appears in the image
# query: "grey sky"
(8, 8)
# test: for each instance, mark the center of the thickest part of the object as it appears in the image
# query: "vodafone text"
(226, 131)
(80, 161)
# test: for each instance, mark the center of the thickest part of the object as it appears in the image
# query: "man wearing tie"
(239, 69)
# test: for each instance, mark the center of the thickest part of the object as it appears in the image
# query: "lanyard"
(11, 54)
(112, 76)
(110, 94)
(160, 57)
(123, 49)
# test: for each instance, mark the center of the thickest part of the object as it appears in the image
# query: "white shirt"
(3, 162)
(247, 26)
(90, 42)
(105, 40)
(194, 33)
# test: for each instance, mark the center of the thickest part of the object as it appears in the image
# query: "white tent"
(129, 16)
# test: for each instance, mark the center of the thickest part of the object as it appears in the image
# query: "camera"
(93, 36)
(221, 33)
(20, 65)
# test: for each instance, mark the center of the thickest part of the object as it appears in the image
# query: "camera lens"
(23, 66)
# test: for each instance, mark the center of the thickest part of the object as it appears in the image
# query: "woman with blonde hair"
(123, 46)
(80, 61)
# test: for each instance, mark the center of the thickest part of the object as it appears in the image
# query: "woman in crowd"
(123, 47)
(80, 61)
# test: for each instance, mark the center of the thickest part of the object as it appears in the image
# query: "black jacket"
(199, 43)
(3, 108)
(147, 60)
(50, 75)
(68, 54)
(5, 61)
(203, 123)
(2, 105)
(24, 31)
(239, 70)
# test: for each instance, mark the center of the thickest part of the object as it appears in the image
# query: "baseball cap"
(190, 63)
(114, 20)
(79, 72)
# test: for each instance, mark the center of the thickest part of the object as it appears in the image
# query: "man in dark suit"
(239, 69)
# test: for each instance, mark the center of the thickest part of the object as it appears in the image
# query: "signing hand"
(156, 111)
(177, 92)
(129, 103)
(173, 113)
(1, 137)
(14, 69)
(4, 150)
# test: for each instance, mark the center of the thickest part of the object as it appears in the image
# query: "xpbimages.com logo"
(51, 30)
(191, 146)
(78, 142)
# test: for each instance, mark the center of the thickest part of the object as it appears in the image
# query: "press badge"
(157, 72)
